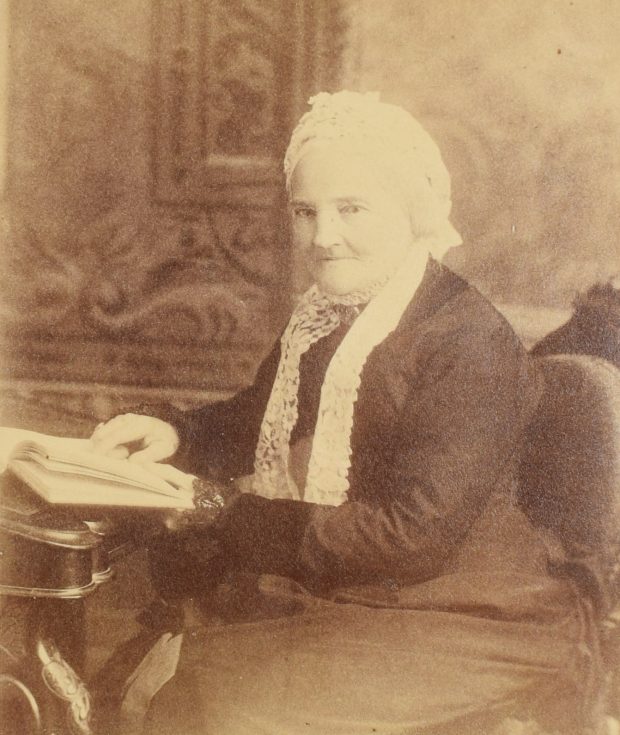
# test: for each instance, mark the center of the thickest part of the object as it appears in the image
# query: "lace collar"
(315, 317)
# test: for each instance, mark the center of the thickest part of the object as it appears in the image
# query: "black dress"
(422, 604)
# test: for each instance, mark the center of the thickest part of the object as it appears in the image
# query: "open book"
(69, 472)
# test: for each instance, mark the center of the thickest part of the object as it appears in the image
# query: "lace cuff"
(210, 499)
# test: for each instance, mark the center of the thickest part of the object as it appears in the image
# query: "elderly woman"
(379, 577)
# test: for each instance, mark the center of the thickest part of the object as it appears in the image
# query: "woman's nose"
(326, 231)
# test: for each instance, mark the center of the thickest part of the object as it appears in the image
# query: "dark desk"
(50, 561)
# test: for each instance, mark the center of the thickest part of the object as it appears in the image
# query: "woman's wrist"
(211, 496)
(210, 500)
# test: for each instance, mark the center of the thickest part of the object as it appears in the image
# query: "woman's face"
(353, 229)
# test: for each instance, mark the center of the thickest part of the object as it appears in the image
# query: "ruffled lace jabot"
(316, 316)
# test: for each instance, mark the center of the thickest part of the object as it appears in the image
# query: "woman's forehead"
(337, 170)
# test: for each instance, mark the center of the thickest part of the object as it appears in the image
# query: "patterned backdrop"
(147, 253)
(148, 248)
(523, 97)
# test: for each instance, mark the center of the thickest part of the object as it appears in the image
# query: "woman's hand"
(174, 476)
(141, 438)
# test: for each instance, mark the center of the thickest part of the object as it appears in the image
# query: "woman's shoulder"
(458, 332)
(447, 304)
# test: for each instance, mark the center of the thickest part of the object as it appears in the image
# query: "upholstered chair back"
(570, 469)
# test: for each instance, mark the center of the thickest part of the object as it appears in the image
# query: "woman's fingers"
(119, 430)
(119, 452)
(117, 435)
(170, 474)
(143, 431)
(110, 427)
(155, 450)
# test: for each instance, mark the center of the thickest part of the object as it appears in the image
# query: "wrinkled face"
(351, 225)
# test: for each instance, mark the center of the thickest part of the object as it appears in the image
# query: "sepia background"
(145, 251)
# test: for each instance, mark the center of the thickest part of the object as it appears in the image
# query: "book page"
(71, 456)
(10, 438)
(70, 489)
(81, 459)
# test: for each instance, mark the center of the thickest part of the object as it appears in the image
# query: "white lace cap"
(389, 135)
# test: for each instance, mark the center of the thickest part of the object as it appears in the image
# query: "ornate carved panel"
(232, 77)
(148, 245)
(221, 81)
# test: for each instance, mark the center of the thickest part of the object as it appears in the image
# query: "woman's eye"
(303, 212)
(350, 209)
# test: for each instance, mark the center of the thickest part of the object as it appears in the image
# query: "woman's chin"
(338, 281)
(338, 287)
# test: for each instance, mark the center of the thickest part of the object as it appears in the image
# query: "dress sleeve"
(218, 440)
(460, 426)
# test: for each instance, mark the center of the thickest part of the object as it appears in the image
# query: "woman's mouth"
(334, 257)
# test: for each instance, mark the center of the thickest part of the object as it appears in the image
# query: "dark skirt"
(456, 654)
